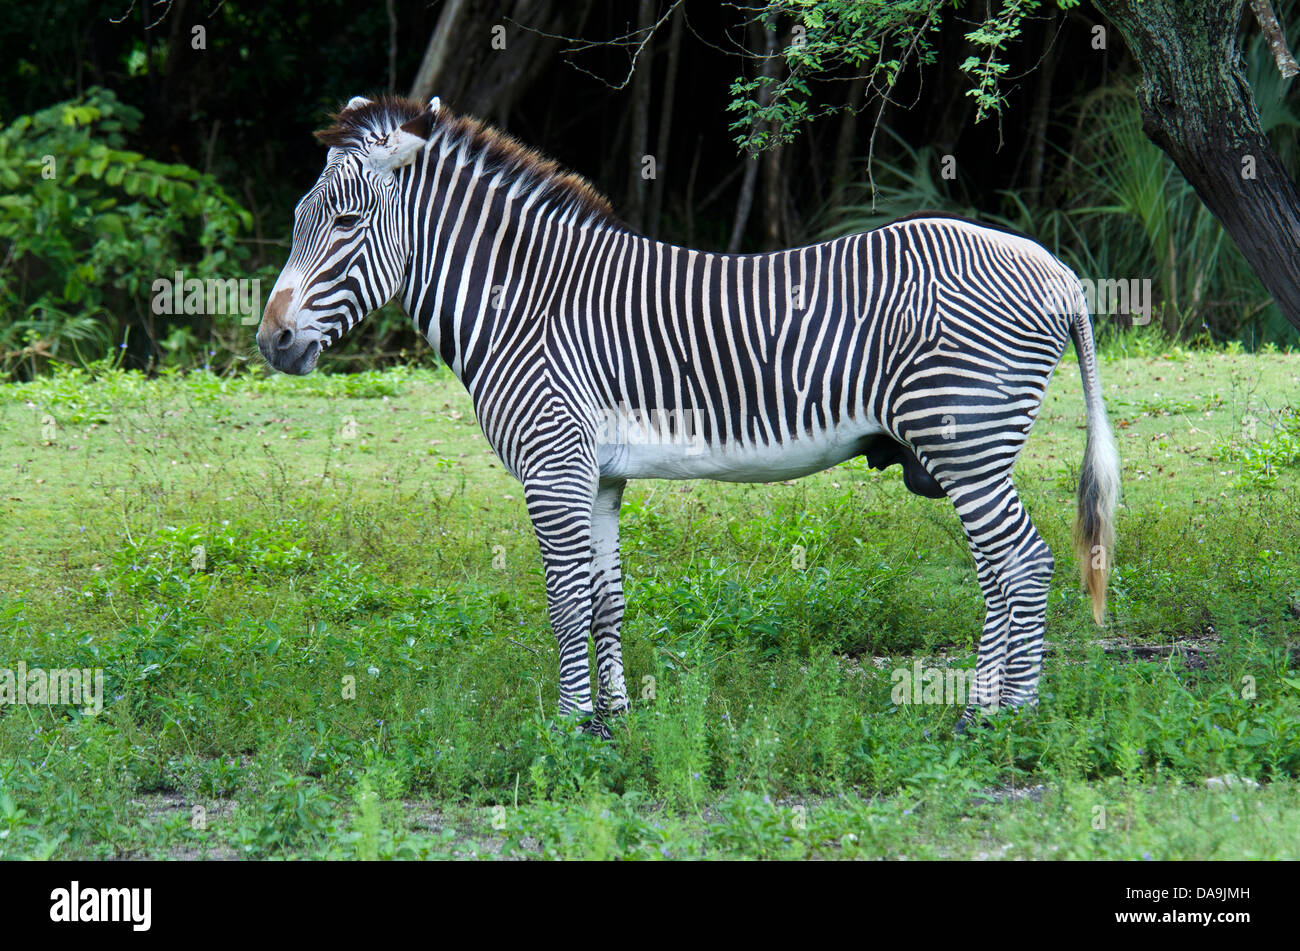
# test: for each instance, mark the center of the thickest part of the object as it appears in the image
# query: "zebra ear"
(403, 144)
(395, 150)
(422, 125)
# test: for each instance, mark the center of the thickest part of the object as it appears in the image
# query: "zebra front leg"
(560, 507)
(607, 599)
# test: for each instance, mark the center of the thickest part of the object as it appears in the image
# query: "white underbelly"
(735, 462)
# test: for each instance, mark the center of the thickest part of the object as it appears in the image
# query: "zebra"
(927, 343)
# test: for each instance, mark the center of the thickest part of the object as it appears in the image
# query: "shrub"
(88, 225)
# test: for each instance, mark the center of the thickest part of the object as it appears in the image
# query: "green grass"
(318, 607)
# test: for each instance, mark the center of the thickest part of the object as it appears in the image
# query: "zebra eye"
(346, 221)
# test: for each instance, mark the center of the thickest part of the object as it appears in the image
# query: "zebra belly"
(737, 462)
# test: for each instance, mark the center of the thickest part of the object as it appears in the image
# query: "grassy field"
(318, 609)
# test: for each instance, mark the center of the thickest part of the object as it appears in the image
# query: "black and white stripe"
(928, 342)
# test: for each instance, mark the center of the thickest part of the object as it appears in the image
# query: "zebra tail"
(1094, 525)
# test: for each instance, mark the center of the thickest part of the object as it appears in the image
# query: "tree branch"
(1268, 25)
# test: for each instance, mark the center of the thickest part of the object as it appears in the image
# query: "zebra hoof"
(976, 718)
(596, 726)
(972, 719)
(588, 722)
(1016, 710)
(574, 722)
(1021, 708)
(612, 708)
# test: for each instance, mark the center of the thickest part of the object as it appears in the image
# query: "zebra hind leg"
(1014, 565)
(1026, 588)
(987, 693)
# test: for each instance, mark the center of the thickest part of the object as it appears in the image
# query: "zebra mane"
(362, 124)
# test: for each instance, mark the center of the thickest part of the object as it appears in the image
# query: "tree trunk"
(1199, 108)
(435, 54)
(747, 186)
(1037, 146)
(639, 141)
(392, 47)
(842, 167)
(774, 181)
(773, 198)
(510, 73)
(666, 113)
(743, 204)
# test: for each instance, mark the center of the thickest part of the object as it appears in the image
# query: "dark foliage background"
(229, 126)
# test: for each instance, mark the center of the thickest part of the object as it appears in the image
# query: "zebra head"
(351, 244)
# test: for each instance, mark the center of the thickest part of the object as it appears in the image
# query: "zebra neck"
(493, 262)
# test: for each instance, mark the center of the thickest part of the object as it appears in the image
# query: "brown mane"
(353, 127)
